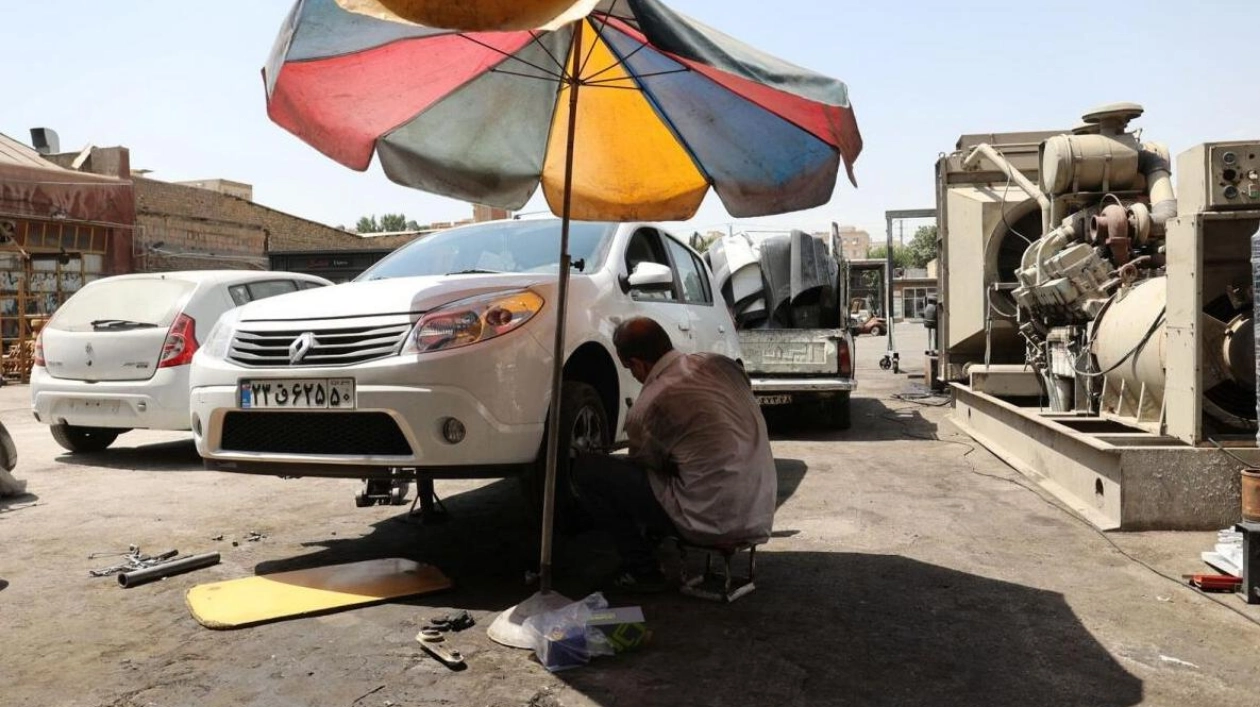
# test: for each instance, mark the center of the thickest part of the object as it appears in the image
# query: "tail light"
(844, 358)
(39, 349)
(180, 344)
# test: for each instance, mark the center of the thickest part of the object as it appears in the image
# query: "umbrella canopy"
(670, 107)
(478, 100)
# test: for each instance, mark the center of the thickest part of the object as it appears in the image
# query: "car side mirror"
(651, 277)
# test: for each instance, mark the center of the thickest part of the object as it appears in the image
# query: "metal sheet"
(283, 595)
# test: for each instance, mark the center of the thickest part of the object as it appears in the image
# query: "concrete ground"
(904, 571)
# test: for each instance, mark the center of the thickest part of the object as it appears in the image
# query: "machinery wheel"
(84, 439)
(838, 412)
(877, 330)
(885, 363)
(361, 500)
(583, 427)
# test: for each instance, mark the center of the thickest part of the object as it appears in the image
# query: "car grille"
(331, 347)
(359, 433)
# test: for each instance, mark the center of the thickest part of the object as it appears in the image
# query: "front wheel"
(84, 439)
(583, 428)
(877, 330)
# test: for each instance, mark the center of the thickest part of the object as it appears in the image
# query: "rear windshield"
(153, 302)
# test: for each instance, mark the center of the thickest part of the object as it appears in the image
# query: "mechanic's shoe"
(641, 582)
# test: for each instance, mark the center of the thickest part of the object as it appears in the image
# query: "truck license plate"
(297, 393)
(774, 400)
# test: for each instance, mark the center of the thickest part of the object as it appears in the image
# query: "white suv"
(439, 357)
(115, 356)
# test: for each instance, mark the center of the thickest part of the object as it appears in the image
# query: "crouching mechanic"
(699, 465)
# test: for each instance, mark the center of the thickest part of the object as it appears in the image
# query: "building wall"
(185, 227)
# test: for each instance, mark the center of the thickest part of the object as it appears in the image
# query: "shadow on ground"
(10, 504)
(854, 629)
(179, 455)
(870, 418)
(488, 545)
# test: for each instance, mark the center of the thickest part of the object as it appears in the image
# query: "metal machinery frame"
(1097, 331)
(892, 358)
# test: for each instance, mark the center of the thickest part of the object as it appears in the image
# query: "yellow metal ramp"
(283, 595)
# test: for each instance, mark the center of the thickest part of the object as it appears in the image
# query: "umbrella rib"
(607, 83)
(550, 73)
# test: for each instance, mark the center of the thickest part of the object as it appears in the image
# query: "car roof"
(215, 277)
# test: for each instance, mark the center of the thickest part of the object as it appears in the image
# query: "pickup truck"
(796, 344)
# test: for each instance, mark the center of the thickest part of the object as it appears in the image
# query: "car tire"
(583, 427)
(83, 439)
(877, 330)
(839, 416)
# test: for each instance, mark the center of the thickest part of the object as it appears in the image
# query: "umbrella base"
(508, 628)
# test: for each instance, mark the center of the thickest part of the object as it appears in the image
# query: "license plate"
(774, 400)
(297, 393)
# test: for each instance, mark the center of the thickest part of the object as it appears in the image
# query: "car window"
(645, 247)
(309, 284)
(151, 301)
(690, 273)
(240, 295)
(269, 288)
(501, 246)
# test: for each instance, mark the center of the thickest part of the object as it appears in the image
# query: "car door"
(666, 306)
(711, 324)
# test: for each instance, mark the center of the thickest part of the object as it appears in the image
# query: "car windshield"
(500, 247)
(131, 303)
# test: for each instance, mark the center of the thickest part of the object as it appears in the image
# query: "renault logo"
(300, 347)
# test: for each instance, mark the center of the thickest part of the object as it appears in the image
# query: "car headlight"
(219, 340)
(472, 320)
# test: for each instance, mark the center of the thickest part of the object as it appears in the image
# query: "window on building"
(914, 300)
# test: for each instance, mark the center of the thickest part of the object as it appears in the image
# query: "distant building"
(855, 242)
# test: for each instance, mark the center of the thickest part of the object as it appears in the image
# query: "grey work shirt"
(698, 430)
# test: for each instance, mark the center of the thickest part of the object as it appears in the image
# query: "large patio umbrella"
(479, 100)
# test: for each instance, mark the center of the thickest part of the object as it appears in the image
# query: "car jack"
(432, 510)
(382, 492)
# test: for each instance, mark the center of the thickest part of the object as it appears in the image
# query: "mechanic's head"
(640, 343)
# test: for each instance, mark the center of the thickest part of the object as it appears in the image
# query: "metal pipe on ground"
(135, 578)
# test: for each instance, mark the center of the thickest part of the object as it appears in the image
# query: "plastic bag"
(561, 638)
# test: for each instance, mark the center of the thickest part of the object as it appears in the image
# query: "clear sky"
(178, 82)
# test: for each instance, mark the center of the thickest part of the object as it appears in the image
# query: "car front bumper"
(159, 403)
(497, 391)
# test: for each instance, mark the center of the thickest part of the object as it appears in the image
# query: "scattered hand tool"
(1214, 582)
(433, 643)
(134, 560)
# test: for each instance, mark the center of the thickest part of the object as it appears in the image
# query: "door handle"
(721, 328)
(684, 326)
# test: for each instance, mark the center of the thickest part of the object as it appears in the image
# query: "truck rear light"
(39, 350)
(845, 358)
(180, 344)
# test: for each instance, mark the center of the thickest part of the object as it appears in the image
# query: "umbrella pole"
(562, 307)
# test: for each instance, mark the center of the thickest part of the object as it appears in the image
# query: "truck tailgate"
(790, 352)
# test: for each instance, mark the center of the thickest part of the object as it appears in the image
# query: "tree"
(901, 255)
(388, 223)
(922, 247)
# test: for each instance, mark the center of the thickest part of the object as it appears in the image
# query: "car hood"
(403, 295)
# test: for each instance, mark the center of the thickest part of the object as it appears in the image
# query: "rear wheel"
(84, 439)
(583, 428)
(838, 412)
(877, 330)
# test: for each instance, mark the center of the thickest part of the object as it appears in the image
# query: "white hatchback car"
(438, 358)
(116, 355)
